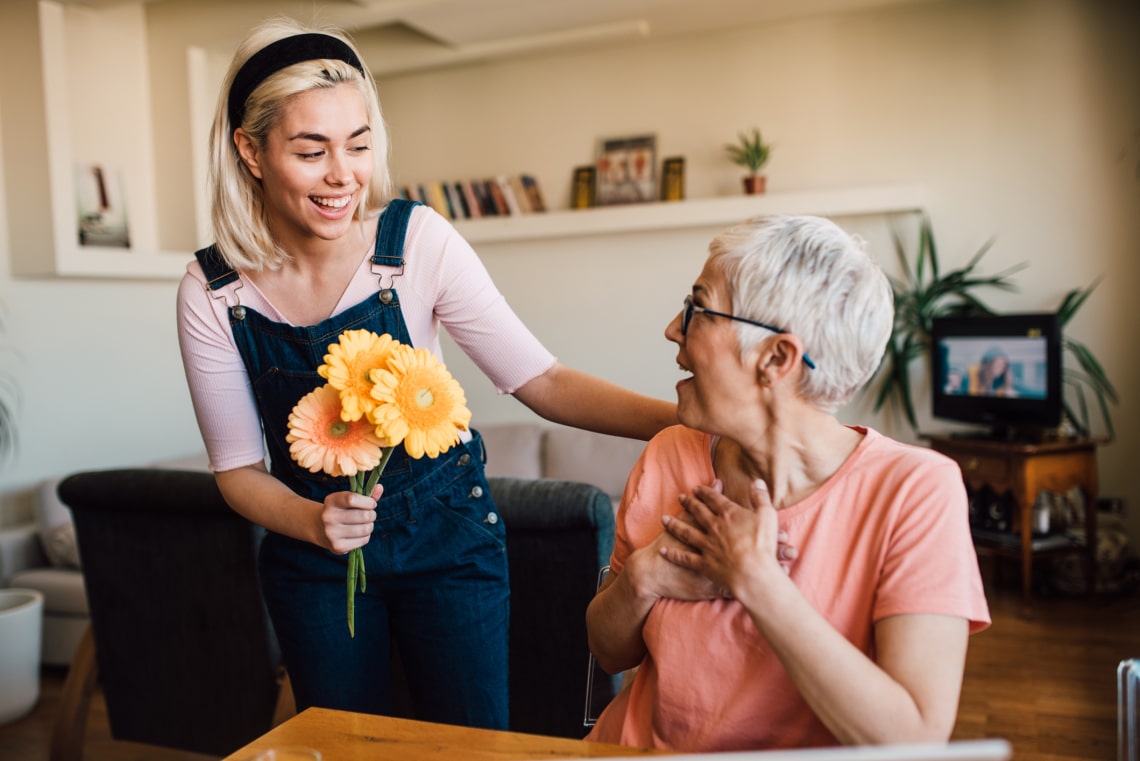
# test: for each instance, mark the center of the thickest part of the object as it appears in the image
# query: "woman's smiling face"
(316, 164)
(721, 384)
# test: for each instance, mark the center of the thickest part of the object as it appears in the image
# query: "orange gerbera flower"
(418, 403)
(320, 440)
(347, 365)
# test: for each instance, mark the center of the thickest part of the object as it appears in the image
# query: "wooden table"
(345, 736)
(1024, 470)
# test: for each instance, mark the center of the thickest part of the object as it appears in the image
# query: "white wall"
(1012, 114)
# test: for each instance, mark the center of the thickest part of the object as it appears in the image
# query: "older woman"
(814, 583)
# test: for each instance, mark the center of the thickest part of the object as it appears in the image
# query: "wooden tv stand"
(1024, 469)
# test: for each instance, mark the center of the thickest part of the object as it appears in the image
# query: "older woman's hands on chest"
(737, 548)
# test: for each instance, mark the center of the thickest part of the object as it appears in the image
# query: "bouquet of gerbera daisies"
(380, 394)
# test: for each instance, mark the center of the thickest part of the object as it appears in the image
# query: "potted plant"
(750, 152)
(925, 292)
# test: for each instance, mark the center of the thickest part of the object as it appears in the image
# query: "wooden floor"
(1046, 683)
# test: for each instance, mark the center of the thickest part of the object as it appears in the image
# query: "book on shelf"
(520, 194)
(497, 197)
(483, 194)
(474, 207)
(508, 193)
(453, 204)
(437, 199)
(501, 195)
(533, 193)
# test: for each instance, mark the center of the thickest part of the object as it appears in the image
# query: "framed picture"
(101, 212)
(582, 189)
(673, 179)
(627, 170)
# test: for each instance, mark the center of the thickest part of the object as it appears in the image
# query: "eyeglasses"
(690, 307)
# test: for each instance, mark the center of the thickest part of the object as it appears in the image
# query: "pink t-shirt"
(887, 534)
(443, 282)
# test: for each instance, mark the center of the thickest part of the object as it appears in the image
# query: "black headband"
(278, 55)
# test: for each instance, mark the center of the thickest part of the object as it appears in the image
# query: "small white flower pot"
(21, 623)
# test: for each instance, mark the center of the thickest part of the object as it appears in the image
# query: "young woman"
(309, 243)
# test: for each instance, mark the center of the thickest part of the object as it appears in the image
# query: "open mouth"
(331, 203)
(688, 373)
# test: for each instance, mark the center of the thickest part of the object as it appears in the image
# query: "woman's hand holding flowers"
(347, 519)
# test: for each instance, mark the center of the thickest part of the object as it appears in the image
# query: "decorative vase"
(754, 184)
(21, 624)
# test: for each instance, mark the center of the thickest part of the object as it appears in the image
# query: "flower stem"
(361, 483)
(353, 558)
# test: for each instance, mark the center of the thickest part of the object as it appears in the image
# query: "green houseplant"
(925, 291)
(1088, 373)
(751, 152)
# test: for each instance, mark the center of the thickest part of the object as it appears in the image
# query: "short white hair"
(809, 277)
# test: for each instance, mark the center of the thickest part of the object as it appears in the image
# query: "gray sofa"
(42, 554)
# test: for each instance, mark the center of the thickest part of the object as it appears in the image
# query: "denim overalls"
(436, 562)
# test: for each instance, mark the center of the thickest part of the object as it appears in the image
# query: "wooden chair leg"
(75, 702)
(286, 705)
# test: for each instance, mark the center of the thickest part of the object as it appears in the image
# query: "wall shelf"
(704, 212)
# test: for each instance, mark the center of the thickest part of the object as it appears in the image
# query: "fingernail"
(718, 485)
(666, 518)
(759, 484)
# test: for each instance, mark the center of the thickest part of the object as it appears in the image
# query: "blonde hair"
(813, 279)
(237, 209)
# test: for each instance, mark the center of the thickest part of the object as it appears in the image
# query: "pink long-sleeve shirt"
(443, 283)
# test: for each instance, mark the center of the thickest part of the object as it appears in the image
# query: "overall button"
(386, 296)
(491, 518)
(464, 459)
(239, 313)
(476, 491)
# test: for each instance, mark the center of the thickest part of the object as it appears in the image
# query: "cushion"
(53, 521)
(514, 450)
(571, 454)
(59, 545)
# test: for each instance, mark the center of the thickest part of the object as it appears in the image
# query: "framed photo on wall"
(101, 211)
(627, 170)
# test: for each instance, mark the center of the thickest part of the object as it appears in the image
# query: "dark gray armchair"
(559, 534)
(179, 639)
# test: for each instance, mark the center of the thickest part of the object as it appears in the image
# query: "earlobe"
(247, 150)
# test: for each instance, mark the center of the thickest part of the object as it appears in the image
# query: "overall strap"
(218, 273)
(389, 251)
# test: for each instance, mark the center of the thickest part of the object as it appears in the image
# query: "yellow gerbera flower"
(419, 403)
(348, 364)
(321, 441)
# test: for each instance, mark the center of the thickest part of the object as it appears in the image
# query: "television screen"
(1002, 371)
